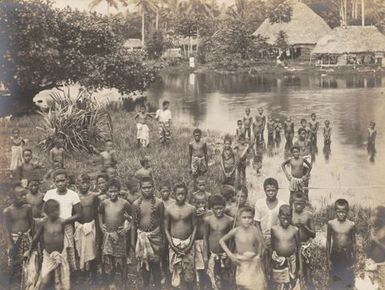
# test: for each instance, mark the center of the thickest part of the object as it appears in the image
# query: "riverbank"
(170, 165)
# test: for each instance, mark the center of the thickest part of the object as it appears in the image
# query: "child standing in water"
(228, 162)
(285, 245)
(289, 130)
(372, 134)
(247, 123)
(341, 247)
(17, 143)
(327, 133)
(259, 126)
(248, 252)
(241, 150)
(303, 144)
(240, 129)
(313, 128)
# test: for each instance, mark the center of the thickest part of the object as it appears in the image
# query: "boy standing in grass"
(341, 247)
(180, 229)
(247, 122)
(304, 221)
(18, 224)
(145, 171)
(108, 156)
(51, 234)
(35, 199)
(215, 227)
(57, 153)
(114, 223)
(142, 135)
(241, 150)
(201, 193)
(286, 247)
(299, 177)
(70, 208)
(228, 162)
(147, 233)
(198, 159)
(27, 170)
(248, 251)
(17, 143)
(240, 201)
(266, 213)
(164, 118)
(85, 227)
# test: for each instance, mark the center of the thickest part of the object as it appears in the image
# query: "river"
(213, 101)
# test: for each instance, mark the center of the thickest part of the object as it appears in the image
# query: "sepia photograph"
(192, 144)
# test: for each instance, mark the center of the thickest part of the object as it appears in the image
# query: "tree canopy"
(42, 47)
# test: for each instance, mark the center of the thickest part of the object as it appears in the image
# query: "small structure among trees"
(351, 46)
(301, 31)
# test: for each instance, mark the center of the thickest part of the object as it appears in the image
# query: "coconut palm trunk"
(142, 26)
(363, 12)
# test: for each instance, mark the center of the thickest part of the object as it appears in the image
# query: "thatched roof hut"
(351, 40)
(304, 28)
(351, 46)
(133, 43)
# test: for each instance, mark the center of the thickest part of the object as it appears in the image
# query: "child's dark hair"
(165, 103)
(145, 179)
(327, 121)
(227, 139)
(59, 172)
(144, 161)
(285, 210)
(27, 150)
(164, 185)
(303, 121)
(246, 208)
(102, 175)
(180, 185)
(341, 202)
(15, 130)
(312, 114)
(34, 180)
(243, 189)
(372, 122)
(242, 137)
(239, 122)
(50, 205)
(197, 131)
(298, 196)
(217, 200)
(228, 192)
(270, 181)
(295, 147)
(113, 183)
(84, 177)
(300, 130)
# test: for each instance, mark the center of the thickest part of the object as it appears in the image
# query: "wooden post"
(363, 12)
(142, 26)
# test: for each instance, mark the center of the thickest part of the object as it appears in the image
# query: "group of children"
(93, 230)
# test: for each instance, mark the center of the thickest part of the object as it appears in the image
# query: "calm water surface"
(216, 102)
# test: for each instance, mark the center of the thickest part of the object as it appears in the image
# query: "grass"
(170, 165)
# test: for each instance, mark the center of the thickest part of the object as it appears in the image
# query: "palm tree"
(146, 6)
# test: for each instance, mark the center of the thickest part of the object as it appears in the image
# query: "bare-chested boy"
(18, 224)
(55, 269)
(241, 197)
(300, 170)
(147, 233)
(58, 153)
(341, 247)
(216, 260)
(35, 199)
(241, 150)
(108, 156)
(288, 127)
(28, 170)
(145, 171)
(101, 186)
(200, 202)
(247, 123)
(180, 229)
(228, 162)
(114, 222)
(198, 159)
(304, 221)
(313, 128)
(248, 252)
(259, 126)
(201, 193)
(327, 133)
(303, 144)
(270, 126)
(286, 246)
(85, 228)
(165, 193)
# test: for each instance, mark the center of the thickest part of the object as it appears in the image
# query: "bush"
(80, 121)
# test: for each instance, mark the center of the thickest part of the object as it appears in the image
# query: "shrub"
(80, 121)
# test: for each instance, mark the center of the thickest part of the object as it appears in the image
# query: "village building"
(303, 31)
(350, 46)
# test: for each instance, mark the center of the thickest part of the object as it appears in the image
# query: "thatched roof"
(351, 39)
(133, 43)
(304, 27)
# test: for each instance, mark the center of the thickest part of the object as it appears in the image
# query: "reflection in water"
(216, 102)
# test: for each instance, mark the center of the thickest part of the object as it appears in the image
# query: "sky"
(102, 7)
